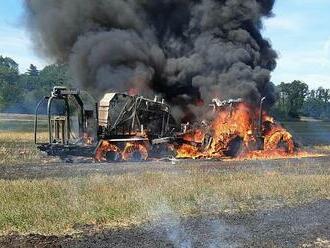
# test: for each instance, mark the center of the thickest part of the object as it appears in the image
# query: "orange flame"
(235, 132)
(88, 139)
(133, 92)
(132, 151)
(135, 151)
(103, 148)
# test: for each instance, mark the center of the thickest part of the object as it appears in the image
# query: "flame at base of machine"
(104, 148)
(238, 130)
(134, 128)
(235, 130)
(135, 151)
(131, 151)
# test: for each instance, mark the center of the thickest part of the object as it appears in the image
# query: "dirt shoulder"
(305, 226)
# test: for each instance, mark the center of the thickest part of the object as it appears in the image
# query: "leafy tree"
(293, 96)
(41, 85)
(8, 70)
(30, 81)
(317, 104)
(54, 75)
(313, 107)
(10, 93)
(21, 92)
(322, 94)
(33, 71)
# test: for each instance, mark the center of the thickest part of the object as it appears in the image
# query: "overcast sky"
(299, 32)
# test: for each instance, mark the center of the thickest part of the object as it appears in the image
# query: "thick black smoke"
(184, 50)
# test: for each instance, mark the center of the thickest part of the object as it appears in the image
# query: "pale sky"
(14, 40)
(299, 33)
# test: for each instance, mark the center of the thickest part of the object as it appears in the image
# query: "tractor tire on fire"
(112, 156)
(234, 147)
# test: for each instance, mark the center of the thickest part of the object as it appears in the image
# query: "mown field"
(17, 141)
(57, 206)
(62, 205)
(310, 133)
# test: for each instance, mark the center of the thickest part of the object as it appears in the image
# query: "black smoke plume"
(188, 51)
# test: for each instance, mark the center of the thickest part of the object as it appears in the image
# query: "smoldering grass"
(57, 206)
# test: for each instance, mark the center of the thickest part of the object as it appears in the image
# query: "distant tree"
(8, 70)
(10, 92)
(40, 85)
(312, 94)
(29, 82)
(293, 96)
(317, 104)
(9, 63)
(20, 92)
(313, 107)
(322, 94)
(10, 95)
(33, 71)
(55, 74)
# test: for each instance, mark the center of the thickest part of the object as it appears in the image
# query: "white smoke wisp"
(205, 230)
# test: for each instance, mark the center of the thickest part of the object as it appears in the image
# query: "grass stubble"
(17, 147)
(56, 206)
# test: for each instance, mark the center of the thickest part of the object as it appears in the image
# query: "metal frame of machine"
(131, 124)
(127, 124)
(63, 94)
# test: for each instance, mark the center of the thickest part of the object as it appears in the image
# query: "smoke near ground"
(188, 51)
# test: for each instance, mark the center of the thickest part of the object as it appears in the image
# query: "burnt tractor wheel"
(234, 147)
(135, 152)
(112, 156)
(136, 156)
(280, 139)
(106, 151)
(163, 150)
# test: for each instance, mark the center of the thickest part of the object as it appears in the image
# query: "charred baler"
(118, 127)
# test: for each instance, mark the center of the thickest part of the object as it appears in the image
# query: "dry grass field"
(17, 147)
(16, 139)
(62, 205)
(56, 206)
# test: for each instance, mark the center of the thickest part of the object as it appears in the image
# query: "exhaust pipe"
(260, 115)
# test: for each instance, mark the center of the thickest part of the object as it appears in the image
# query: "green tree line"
(19, 93)
(296, 99)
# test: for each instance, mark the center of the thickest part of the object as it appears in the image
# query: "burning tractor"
(237, 129)
(121, 127)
